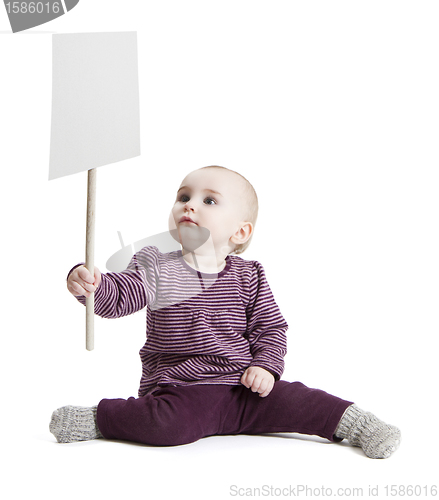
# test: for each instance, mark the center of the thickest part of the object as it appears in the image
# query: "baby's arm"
(81, 282)
(118, 294)
(266, 329)
(258, 380)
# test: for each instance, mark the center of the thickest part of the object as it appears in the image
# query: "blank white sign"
(95, 101)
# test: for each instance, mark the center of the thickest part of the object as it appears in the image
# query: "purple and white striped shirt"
(201, 328)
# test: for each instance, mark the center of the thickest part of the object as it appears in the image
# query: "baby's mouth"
(187, 219)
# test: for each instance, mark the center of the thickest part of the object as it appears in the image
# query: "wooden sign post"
(95, 116)
(89, 257)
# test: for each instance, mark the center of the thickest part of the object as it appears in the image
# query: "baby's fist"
(258, 380)
(81, 282)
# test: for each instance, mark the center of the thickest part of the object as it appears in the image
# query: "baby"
(215, 347)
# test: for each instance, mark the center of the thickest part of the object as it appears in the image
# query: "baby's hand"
(258, 380)
(81, 282)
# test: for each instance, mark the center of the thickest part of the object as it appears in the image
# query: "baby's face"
(212, 199)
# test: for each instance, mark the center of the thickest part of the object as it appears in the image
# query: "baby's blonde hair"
(251, 206)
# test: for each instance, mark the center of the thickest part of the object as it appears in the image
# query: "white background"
(331, 111)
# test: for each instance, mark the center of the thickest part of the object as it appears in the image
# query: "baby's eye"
(209, 201)
(184, 198)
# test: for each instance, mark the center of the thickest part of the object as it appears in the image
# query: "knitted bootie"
(74, 423)
(376, 438)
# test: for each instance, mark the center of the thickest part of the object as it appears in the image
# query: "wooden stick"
(89, 256)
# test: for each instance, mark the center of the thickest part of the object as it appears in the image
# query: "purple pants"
(180, 415)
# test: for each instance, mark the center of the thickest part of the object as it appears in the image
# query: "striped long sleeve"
(121, 294)
(200, 328)
(266, 326)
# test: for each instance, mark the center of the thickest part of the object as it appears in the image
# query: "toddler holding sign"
(215, 347)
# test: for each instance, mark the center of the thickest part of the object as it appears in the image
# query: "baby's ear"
(242, 234)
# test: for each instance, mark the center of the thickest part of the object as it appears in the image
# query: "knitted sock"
(360, 428)
(74, 423)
